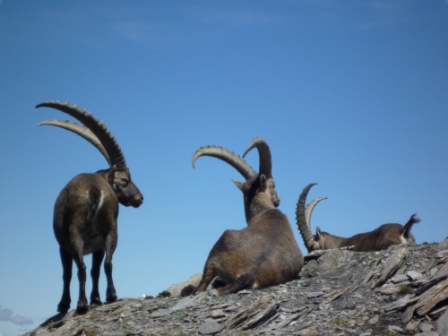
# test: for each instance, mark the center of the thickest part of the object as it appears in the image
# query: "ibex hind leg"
(111, 294)
(243, 282)
(97, 259)
(82, 305)
(67, 264)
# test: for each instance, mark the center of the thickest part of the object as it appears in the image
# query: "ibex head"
(265, 170)
(96, 132)
(303, 218)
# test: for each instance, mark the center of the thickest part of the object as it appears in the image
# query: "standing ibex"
(376, 240)
(86, 210)
(265, 253)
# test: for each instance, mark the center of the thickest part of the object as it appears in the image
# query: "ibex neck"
(258, 207)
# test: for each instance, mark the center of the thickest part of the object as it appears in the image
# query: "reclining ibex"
(264, 253)
(376, 240)
(86, 210)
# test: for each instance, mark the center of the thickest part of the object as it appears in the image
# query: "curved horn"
(227, 156)
(264, 153)
(98, 128)
(303, 215)
(310, 207)
(81, 130)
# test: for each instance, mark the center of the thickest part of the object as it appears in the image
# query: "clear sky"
(350, 94)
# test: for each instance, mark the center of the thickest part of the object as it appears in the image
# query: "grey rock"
(442, 323)
(426, 326)
(374, 320)
(413, 275)
(208, 327)
(433, 271)
(315, 294)
(175, 289)
(399, 278)
(334, 258)
(394, 328)
(443, 245)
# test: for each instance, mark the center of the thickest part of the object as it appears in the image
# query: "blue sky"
(352, 95)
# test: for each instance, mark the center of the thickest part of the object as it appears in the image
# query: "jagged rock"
(443, 245)
(334, 258)
(353, 296)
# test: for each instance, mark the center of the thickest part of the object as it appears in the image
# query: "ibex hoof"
(111, 297)
(81, 308)
(95, 300)
(63, 307)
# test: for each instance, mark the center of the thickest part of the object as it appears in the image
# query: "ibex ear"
(111, 176)
(318, 232)
(262, 182)
(238, 184)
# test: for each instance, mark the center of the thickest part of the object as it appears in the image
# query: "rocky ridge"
(400, 291)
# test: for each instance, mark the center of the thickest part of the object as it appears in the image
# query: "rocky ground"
(401, 291)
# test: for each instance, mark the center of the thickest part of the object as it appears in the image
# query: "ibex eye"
(124, 180)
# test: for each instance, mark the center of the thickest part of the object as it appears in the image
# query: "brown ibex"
(376, 240)
(265, 253)
(86, 210)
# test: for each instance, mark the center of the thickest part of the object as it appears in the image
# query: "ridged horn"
(227, 156)
(303, 215)
(81, 130)
(97, 127)
(310, 207)
(264, 153)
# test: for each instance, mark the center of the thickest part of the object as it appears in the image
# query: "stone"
(443, 245)
(399, 278)
(394, 328)
(208, 327)
(413, 275)
(374, 320)
(315, 294)
(426, 326)
(442, 323)
(175, 289)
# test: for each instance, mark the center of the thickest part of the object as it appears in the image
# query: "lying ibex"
(264, 253)
(376, 240)
(86, 210)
